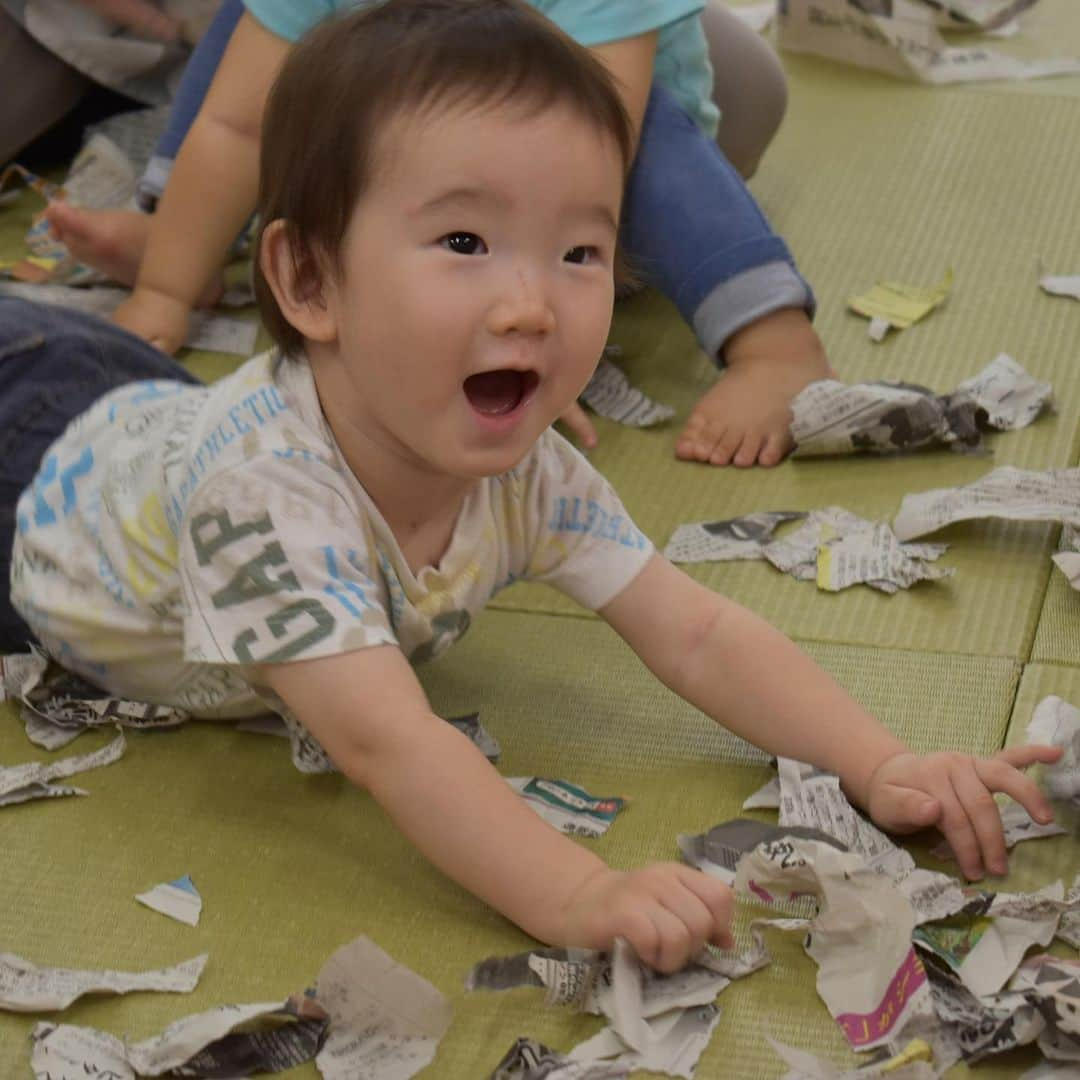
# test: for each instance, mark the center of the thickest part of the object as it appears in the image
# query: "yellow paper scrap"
(894, 304)
(916, 1050)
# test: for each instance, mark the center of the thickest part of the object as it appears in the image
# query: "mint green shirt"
(682, 57)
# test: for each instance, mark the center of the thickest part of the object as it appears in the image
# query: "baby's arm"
(747, 675)
(370, 714)
(211, 191)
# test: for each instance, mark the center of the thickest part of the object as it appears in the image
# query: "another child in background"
(436, 263)
(691, 227)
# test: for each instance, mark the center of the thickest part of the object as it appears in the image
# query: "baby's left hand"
(954, 792)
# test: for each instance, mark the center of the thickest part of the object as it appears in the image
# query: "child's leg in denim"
(198, 74)
(692, 229)
(54, 364)
(749, 87)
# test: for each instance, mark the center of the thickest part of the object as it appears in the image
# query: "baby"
(440, 196)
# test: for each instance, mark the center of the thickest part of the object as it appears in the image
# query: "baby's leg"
(692, 229)
(749, 87)
(54, 364)
(113, 241)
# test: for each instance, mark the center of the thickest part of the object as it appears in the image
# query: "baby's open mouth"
(495, 393)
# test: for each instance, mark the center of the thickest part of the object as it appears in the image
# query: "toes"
(699, 438)
(748, 449)
(776, 447)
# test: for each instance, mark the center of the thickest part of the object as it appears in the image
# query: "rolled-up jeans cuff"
(152, 183)
(746, 297)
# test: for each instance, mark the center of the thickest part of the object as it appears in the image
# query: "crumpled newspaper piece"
(274, 1036)
(894, 305)
(719, 541)
(986, 943)
(659, 1022)
(28, 987)
(834, 547)
(367, 1016)
(528, 1059)
(177, 899)
(912, 1063)
(900, 38)
(1067, 558)
(1054, 722)
(718, 851)
(887, 418)
(385, 1020)
(609, 394)
(33, 780)
(1059, 284)
(978, 14)
(812, 798)
(1007, 492)
(1053, 985)
(869, 976)
(571, 809)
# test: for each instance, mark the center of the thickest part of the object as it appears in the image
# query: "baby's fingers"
(1020, 757)
(973, 792)
(1000, 774)
(718, 901)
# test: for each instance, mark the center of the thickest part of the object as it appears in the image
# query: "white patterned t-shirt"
(175, 535)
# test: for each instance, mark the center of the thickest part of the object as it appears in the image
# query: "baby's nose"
(523, 307)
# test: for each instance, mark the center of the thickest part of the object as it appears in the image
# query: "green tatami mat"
(981, 183)
(290, 867)
(1057, 638)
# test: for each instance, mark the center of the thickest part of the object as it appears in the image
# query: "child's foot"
(111, 241)
(745, 419)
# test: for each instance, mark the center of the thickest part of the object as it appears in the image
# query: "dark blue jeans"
(54, 364)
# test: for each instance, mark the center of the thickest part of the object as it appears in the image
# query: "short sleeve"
(275, 567)
(595, 22)
(583, 541)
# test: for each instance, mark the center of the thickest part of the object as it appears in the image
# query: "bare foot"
(745, 419)
(111, 241)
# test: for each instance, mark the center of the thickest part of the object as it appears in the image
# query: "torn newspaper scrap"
(1059, 284)
(385, 1020)
(1015, 494)
(869, 976)
(528, 1059)
(900, 38)
(1067, 560)
(178, 899)
(1017, 824)
(912, 1063)
(231, 1040)
(609, 394)
(19, 783)
(1054, 722)
(894, 305)
(571, 809)
(834, 547)
(1053, 985)
(830, 417)
(27, 987)
(720, 541)
(717, 852)
(978, 14)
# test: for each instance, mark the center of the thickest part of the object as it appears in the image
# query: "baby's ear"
(295, 277)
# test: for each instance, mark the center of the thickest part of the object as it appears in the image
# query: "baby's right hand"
(155, 317)
(667, 912)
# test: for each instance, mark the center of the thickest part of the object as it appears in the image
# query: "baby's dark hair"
(347, 79)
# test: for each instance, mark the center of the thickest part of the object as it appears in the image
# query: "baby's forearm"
(757, 682)
(210, 195)
(459, 812)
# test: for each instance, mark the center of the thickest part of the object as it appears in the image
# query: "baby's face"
(476, 287)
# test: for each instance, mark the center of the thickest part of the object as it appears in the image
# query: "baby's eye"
(464, 243)
(582, 255)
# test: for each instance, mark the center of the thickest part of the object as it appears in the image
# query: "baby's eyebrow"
(461, 196)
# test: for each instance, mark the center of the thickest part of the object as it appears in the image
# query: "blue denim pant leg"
(689, 221)
(54, 364)
(190, 93)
